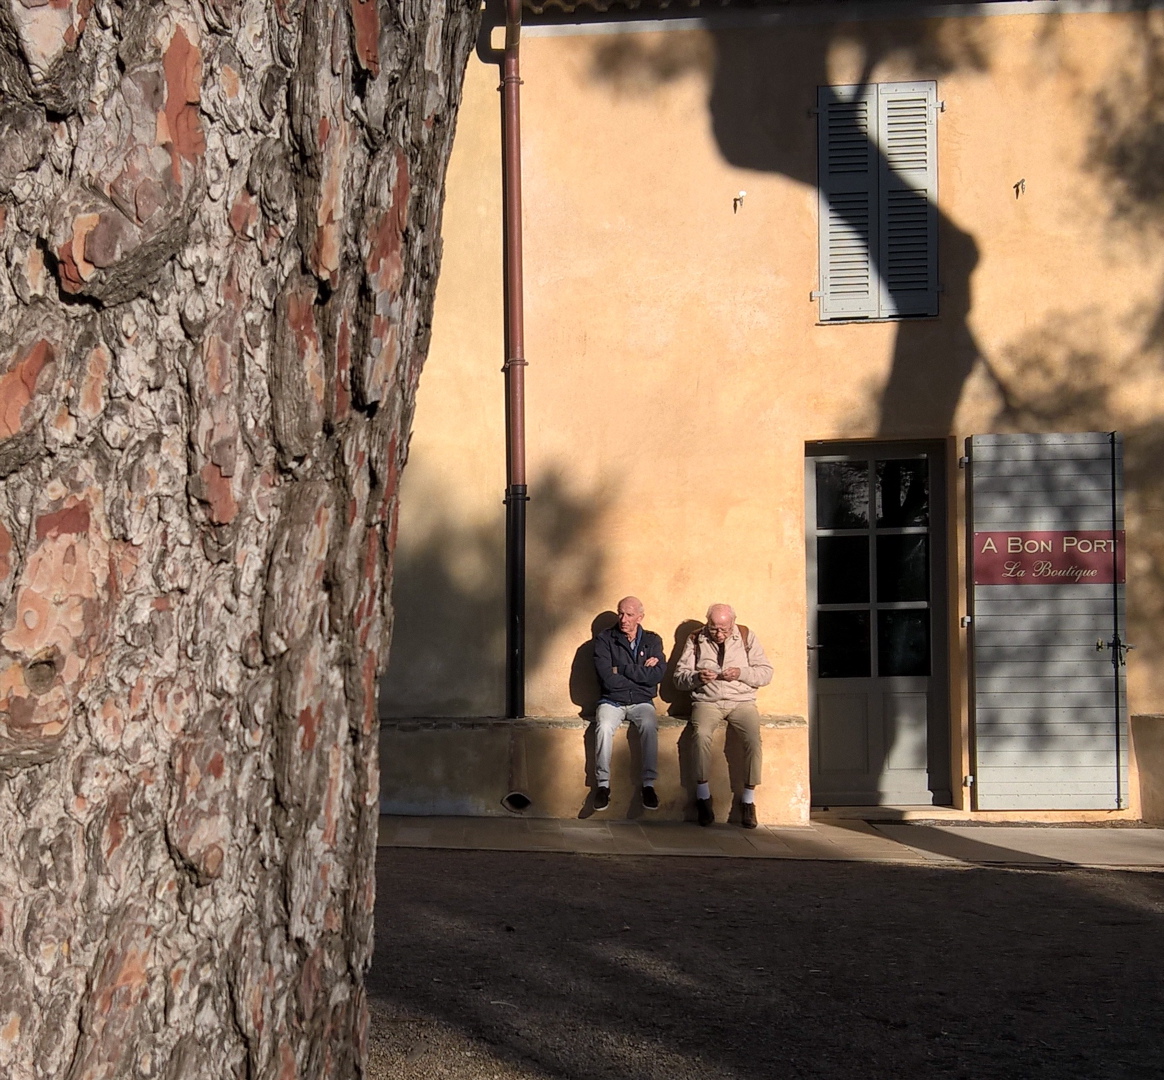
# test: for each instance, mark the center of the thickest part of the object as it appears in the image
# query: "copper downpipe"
(516, 492)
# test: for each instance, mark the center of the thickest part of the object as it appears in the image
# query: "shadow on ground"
(521, 965)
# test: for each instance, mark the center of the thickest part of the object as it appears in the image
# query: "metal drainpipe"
(516, 493)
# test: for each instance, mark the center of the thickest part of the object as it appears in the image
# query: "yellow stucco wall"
(676, 365)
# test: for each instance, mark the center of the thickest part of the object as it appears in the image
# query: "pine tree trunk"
(219, 221)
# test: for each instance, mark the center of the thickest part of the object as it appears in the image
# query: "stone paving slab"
(1035, 846)
(834, 840)
(851, 841)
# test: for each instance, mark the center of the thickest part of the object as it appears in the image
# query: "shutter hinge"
(816, 294)
(939, 106)
(963, 462)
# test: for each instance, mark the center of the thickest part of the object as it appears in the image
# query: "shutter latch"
(816, 294)
(939, 106)
(1119, 650)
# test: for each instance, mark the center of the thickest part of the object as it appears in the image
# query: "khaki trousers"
(744, 717)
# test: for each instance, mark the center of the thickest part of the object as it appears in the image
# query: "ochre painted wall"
(676, 365)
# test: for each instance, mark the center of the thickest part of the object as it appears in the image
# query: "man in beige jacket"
(722, 666)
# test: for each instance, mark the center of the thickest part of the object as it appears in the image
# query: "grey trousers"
(745, 718)
(608, 720)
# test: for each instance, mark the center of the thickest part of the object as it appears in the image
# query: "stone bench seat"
(468, 766)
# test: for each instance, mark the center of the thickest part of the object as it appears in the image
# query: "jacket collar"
(617, 635)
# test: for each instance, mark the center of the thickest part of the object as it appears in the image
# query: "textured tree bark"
(219, 222)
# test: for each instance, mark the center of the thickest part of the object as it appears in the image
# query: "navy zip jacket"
(632, 682)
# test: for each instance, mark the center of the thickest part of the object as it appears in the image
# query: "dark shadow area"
(679, 705)
(967, 849)
(584, 686)
(678, 701)
(1127, 142)
(448, 640)
(715, 969)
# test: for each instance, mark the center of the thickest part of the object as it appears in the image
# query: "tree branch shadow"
(448, 641)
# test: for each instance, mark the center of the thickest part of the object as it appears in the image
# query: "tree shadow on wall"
(1064, 376)
(1090, 370)
(762, 105)
(448, 639)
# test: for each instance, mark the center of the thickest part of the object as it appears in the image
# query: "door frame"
(939, 727)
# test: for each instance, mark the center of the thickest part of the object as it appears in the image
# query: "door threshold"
(889, 813)
(885, 814)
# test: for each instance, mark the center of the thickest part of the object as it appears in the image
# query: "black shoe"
(650, 799)
(748, 815)
(706, 814)
(601, 798)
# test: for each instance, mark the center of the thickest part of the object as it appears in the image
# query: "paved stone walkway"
(828, 839)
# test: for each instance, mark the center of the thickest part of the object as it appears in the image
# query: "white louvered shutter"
(847, 186)
(907, 256)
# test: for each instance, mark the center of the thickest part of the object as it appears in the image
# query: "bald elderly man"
(630, 665)
(722, 666)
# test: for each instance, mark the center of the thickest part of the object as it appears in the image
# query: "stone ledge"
(467, 766)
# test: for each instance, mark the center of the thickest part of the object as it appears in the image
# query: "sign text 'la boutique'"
(1048, 558)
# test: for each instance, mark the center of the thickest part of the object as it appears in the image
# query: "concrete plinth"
(1148, 748)
(467, 766)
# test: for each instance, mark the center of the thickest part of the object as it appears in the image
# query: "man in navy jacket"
(630, 665)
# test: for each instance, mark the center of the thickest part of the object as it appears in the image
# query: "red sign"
(1048, 558)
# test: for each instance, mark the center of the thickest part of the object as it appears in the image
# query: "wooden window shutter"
(907, 258)
(847, 194)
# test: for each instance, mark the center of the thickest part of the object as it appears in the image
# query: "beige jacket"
(755, 670)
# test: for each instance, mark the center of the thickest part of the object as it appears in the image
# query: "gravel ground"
(524, 966)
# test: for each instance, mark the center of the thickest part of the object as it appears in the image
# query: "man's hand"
(651, 662)
(729, 673)
(708, 676)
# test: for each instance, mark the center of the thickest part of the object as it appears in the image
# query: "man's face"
(719, 626)
(629, 618)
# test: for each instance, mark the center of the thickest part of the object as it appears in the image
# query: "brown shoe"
(748, 815)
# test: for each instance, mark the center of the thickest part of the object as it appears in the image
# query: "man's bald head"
(630, 615)
(721, 619)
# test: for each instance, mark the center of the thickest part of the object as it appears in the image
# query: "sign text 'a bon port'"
(1048, 558)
